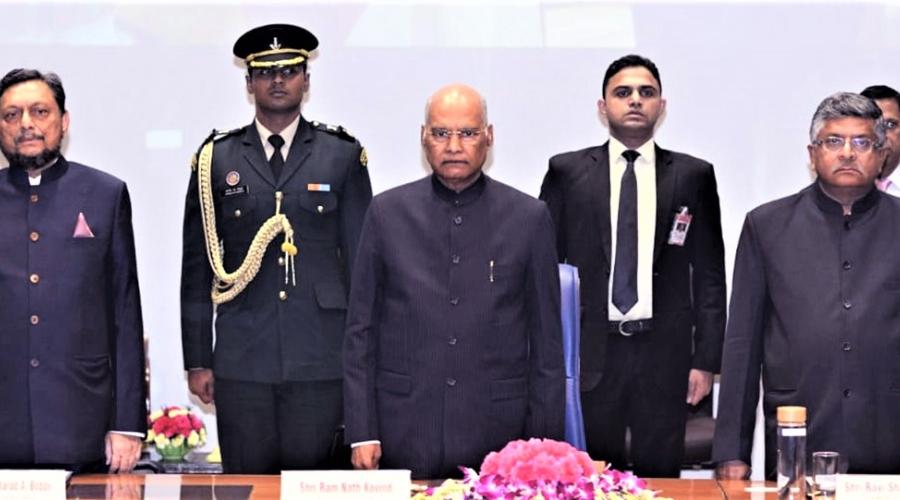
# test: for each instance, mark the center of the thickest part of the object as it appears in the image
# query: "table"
(246, 487)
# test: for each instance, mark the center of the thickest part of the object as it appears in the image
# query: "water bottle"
(791, 452)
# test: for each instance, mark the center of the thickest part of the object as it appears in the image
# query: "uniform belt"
(629, 327)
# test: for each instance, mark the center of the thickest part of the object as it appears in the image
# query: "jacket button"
(454, 301)
(846, 346)
(237, 212)
(846, 393)
(320, 208)
(451, 341)
(455, 259)
(847, 304)
(35, 319)
(34, 198)
(34, 363)
(34, 279)
(451, 381)
(847, 265)
(457, 220)
(34, 236)
(282, 295)
(281, 261)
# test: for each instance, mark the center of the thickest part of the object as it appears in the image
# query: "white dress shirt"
(645, 174)
(892, 183)
(287, 134)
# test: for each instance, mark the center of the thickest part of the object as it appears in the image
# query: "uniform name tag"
(235, 190)
(346, 485)
(680, 227)
(33, 484)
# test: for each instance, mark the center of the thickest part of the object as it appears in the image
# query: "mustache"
(29, 136)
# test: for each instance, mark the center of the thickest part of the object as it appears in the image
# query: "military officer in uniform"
(272, 218)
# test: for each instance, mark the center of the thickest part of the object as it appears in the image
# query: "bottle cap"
(792, 414)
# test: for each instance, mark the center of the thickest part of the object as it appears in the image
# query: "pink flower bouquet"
(541, 469)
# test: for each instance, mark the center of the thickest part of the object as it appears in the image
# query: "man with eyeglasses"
(272, 219)
(454, 344)
(888, 100)
(642, 225)
(815, 306)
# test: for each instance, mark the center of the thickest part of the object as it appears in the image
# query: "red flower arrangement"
(175, 430)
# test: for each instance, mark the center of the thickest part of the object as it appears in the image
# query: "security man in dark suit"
(642, 225)
(272, 218)
(71, 342)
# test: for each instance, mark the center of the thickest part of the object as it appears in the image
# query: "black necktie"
(624, 290)
(276, 162)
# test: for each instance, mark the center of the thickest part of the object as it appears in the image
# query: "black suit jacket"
(260, 337)
(454, 342)
(815, 309)
(688, 281)
(71, 336)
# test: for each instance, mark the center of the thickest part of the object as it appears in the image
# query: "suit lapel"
(599, 180)
(665, 190)
(255, 155)
(300, 150)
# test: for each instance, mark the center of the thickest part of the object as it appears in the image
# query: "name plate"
(867, 487)
(346, 484)
(33, 484)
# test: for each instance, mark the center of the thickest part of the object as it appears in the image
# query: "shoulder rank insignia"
(215, 135)
(334, 130)
(364, 158)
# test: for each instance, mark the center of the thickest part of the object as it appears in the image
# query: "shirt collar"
(895, 176)
(287, 134)
(465, 196)
(647, 151)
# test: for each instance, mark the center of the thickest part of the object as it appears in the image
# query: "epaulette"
(215, 135)
(334, 130)
(343, 134)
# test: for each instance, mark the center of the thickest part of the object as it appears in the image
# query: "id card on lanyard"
(680, 226)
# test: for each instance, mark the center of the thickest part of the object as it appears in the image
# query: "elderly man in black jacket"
(454, 343)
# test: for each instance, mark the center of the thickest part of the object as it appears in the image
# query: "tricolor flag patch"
(318, 187)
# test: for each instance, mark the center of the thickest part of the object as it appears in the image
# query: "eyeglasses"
(286, 72)
(467, 135)
(835, 143)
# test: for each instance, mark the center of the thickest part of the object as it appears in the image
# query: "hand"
(201, 382)
(699, 384)
(733, 469)
(366, 456)
(122, 451)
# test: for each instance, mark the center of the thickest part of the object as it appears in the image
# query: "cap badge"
(275, 45)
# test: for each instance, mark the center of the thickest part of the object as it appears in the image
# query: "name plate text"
(346, 485)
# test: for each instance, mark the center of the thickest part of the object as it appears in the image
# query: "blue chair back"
(571, 327)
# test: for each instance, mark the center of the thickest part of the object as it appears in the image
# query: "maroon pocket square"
(82, 229)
